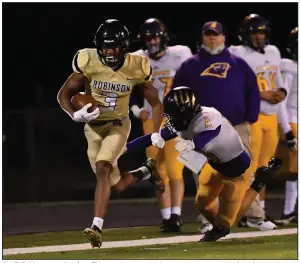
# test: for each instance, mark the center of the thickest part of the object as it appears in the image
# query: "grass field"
(264, 247)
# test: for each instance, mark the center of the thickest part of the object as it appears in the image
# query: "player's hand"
(291, 141)
(270, 96)
(184, 146)
(280, 95)
(157, 140)
(144, 114)
(83, 115)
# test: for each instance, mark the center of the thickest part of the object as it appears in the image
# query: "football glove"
(291, 141)
(184, 146)
(83, 116)
(157, 140)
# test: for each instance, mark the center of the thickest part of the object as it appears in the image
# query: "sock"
(290, 197)
(141, 173)
(176, 210)
(262, 203)
(98, 222)
(166, 213)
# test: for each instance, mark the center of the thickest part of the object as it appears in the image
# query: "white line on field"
(143, 242)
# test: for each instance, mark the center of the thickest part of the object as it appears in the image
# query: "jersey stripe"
(76, 63)
(148, 77)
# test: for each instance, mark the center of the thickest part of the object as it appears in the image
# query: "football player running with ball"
(109, 73)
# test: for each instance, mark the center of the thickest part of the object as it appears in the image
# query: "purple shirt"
(223, 81)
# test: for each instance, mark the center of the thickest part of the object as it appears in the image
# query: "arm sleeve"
(252, 96)
(282, 114)
(145, 141)
(203, 138)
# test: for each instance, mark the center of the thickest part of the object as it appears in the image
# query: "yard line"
(144, 242)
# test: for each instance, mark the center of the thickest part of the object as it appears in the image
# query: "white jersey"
(267, 69)
(226, 146)
(164, 69)
(288, 107)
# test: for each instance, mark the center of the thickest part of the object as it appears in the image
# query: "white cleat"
(262, 225)
(205, 228)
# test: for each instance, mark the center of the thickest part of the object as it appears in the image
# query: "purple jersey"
(222, 81)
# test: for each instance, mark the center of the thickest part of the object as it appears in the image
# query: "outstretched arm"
(146, 141)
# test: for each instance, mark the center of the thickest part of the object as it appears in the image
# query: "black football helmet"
(292, 47)
(251, 24)
(112, 34)
(180, 107)
(153, 27)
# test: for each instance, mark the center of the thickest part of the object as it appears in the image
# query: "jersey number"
(263, 84)
(168, 83)
(110, 100)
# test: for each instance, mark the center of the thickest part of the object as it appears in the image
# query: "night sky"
(40, 39)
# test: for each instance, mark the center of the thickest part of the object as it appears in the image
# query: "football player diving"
(109, 73)
(204, 130)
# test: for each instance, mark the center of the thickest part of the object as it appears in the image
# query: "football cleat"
(165, 226)
(215, 234)
(93, 234)
(243, 222)
(155, 179)
(286, 219)
(263, 225)
(205, 228)
(175, 223)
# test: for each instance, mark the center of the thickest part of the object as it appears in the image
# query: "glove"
(184, 146)
(157, 140)
(291, 141)
(83, 116)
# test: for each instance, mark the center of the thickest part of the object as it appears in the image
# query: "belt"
(114, 122)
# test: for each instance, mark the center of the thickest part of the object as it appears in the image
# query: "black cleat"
(93, 234)
(175, 223)
(243, 222)
(165, 226)
(215, 234)
(286, 219)
(155, 179)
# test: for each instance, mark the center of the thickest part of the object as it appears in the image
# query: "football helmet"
(180, 107)
(153, 27)
(251, 24)
(292, 47)
(112, 34)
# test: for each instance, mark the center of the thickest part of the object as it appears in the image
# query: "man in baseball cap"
(212, 39)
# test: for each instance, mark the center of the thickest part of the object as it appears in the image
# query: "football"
(80, 99)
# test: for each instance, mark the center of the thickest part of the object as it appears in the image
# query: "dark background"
(44, 153)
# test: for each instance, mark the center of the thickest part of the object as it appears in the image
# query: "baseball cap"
(213, 26)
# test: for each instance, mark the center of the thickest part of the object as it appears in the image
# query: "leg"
(164, 199)
(269, 144)
(291, 187)
(230, 199)
(113, 142)
(255, 212)
(210, 186)
(174, 171)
